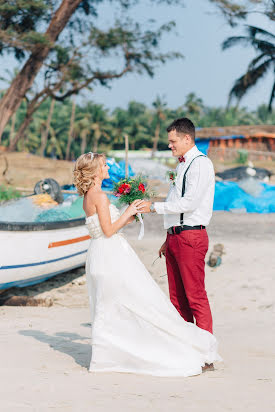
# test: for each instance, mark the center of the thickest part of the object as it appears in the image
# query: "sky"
(205, 70)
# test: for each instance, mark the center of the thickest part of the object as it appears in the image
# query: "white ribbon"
(141, 232)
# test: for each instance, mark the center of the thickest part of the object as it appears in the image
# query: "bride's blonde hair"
(86, 170)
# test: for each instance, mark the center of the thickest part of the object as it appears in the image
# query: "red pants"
(185, 254)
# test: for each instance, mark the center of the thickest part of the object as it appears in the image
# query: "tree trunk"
(95, 145)
(156, 140)
(71, 132)
(84, 142)
(25, 78)
(44, 136)
(20, 133)
(96, 140)
(126, 155)
(13, 120)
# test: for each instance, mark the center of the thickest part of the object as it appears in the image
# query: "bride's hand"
(133, 209)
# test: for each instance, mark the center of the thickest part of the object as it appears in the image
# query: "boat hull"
(32, 254)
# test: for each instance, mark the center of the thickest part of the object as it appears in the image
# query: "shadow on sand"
(65, 342)
(46, 286)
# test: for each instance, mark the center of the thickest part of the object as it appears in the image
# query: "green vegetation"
(66, 43)
(95, 128)
(69, 44)
(8, 193)
(243, 157)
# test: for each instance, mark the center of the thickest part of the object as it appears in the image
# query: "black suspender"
(183, 184)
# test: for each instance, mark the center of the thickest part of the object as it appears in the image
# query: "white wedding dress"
(135, 327)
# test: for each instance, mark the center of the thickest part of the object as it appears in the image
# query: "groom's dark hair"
(183, 126)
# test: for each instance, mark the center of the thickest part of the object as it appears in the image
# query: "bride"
(135, 327)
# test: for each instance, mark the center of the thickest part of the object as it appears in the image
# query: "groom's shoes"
(208, 367)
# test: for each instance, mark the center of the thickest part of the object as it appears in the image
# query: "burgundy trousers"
(185, 254)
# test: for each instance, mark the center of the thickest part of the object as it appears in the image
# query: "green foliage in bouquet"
(129, 189)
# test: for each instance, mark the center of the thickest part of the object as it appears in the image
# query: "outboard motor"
(51, 187)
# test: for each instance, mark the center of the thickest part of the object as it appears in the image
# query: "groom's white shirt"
(197, 203)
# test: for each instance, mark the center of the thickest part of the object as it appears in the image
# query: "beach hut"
(225, 142)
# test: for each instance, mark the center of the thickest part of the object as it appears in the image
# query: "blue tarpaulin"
(203, 145)
(116, 172)
(229, 196)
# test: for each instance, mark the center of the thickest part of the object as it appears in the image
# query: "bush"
(243, 156)
(7, 193)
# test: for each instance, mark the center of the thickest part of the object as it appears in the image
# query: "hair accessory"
(91, 154)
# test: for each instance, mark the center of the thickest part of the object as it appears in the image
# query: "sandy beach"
(45, 351)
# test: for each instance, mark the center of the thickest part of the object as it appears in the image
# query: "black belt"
(175, 230)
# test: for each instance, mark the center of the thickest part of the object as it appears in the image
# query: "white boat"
(33, 252)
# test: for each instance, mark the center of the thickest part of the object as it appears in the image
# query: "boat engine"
(51, 187)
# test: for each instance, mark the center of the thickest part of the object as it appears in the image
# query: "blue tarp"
(203, 145)
(116, 172)
(229, 196)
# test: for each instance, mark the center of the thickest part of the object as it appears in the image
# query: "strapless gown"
(135, 327)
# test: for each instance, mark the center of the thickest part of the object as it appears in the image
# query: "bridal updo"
(86, 169)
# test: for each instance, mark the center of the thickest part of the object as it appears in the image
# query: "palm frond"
(254, 30)
(262, 45)
(256, 61)
(249, 79)
(234, 41)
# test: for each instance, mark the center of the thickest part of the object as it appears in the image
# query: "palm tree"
(83, 129)
(193, 104)
(54, 148)
(135, 123)
(158, 119)
(264, 43)
(119, 122)
(71, 130)
(99, 123)
(44, 135)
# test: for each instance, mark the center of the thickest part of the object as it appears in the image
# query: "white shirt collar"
(191, 153)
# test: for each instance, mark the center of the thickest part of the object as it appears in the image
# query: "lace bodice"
(93, 223)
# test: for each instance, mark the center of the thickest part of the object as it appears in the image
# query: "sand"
(45, 352)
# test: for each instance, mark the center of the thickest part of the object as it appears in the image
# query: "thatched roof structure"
(247, 131)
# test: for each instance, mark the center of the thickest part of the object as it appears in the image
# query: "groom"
(187, 210)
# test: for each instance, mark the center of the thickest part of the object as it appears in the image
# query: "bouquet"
(129, 189)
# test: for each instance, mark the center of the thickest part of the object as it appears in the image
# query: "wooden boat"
(33, 252)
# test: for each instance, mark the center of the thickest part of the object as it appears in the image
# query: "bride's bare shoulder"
(98, 197)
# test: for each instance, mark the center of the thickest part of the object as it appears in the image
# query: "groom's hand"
(144, 207)
(162, 250)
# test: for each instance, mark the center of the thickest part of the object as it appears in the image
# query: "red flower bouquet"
(128, 190)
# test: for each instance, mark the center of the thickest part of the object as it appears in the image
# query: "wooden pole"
(126, 155)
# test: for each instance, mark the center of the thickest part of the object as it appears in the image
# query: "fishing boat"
(33, 252)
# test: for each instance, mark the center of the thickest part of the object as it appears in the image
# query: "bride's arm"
(102, 206)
